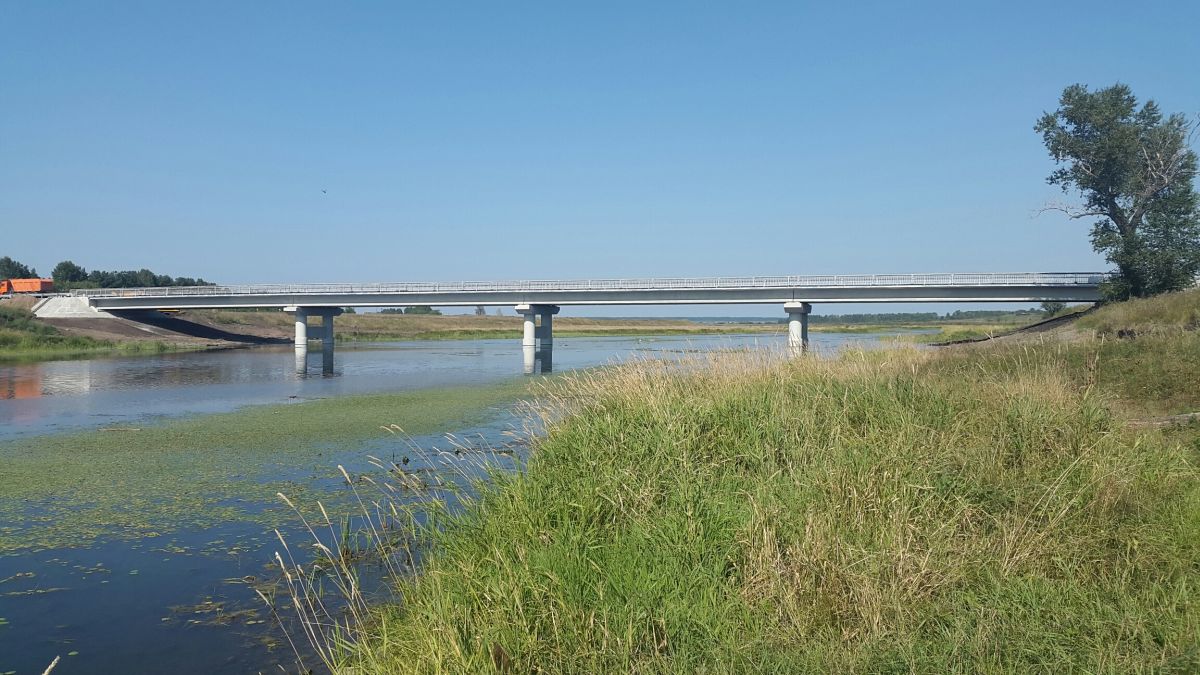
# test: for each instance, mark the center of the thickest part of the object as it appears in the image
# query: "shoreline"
(150, 348)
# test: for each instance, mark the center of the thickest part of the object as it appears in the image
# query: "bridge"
(539, 301)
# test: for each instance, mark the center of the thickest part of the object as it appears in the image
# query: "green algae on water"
(72, 489)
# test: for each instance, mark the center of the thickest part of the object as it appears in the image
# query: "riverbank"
(24, 338)
(991, 507)
(27, 338)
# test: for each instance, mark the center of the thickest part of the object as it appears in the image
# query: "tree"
(1135, 171)
(11, 269)
(1052, 307)
(66, 273)
(480, 310)
(421, 309)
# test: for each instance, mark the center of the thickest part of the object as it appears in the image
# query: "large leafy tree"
(1135, 171)
(66, 273)
(11, 269)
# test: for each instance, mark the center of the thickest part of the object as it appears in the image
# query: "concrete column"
(528, 337)
(327, 331)
(532, 334)
(546, 333)
(327, 343)
(301, 326)
(324, 334)
(302, 359)
(797, 326)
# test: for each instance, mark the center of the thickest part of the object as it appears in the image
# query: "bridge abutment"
(537, 336)
(797, 325)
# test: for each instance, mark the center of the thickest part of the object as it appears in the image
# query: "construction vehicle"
(13, 286)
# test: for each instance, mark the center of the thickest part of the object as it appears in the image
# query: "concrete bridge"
(539, 301)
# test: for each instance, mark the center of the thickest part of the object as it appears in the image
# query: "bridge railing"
(676, 283)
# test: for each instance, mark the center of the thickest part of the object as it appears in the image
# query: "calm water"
(63, 395)
(150, 606)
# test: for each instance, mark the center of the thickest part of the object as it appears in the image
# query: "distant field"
(376, 326)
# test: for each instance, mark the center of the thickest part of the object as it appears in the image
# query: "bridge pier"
(537, 327)
(797, 326)
(302, 314)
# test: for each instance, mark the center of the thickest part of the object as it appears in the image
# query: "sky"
(337, 142)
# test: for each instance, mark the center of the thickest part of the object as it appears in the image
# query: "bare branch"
(1073, 212)
(1163, 168)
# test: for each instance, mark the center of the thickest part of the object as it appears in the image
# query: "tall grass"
(882, 511)
(22, 337)
(1177, 311)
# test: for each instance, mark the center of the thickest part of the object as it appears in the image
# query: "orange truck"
(9, 286)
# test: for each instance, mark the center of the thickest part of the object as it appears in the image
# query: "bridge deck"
(1010, 287)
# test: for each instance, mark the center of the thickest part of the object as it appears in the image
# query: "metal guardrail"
(1059, 279)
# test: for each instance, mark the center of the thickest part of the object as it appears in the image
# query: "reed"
(982, 510)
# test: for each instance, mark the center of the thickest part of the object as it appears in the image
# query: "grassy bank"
(982, 509)
(23, 338)
(71, 489)
(956, 332)
(373, 326)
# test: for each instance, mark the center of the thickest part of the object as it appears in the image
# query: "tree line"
(417, 309)
(67, 275)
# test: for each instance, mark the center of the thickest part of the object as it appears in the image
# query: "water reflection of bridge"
(539, 301)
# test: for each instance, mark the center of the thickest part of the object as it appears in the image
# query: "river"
(183, 601)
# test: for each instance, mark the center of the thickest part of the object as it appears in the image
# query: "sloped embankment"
(974, 509)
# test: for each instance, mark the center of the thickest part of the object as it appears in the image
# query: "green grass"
(1154, 374)
(970, 510)
(959, 332)
(23, 338)
(72, 489)
(1170, 311)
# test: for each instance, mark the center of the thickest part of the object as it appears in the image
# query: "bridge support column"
(797, 326)
(325, 335)
(327, 343)
(301, 359)
(533, 334)
(546, 336)
(301, 326)
(528, 337)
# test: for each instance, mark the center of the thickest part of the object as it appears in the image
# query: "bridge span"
(539, 301)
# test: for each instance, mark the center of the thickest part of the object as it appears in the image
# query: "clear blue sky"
(298, 141)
